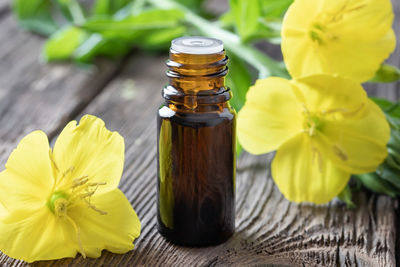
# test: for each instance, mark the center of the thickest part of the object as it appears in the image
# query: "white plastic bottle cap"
(197, 45)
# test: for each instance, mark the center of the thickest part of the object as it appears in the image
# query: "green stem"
(265, 65)
(76, 12)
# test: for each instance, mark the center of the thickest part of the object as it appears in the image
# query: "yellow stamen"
(79, 181)
(71, 194)
(69, 170)
(312, 124)
(51, 156)
(88, 194)
(340, 153)
(344, 111)
(95, 208)
(317, 154)
(78, 235)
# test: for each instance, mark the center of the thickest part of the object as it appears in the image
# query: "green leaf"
(391, 110)
(270, 21)
(246, 13)
(384, 104)
(227, 20)
(389, 171)
(35, 15)
(386, 74)
(274, 8)
(101, 7)
(160, 39)
(390, 175)
(134, 8)
(346, 197)
(135, 27)
(88, 49)
(258, 19)
(72, 10)
(151, 30)
(393, 162)
(63, 43)
(238, 80)
(374, 183)
(265, 65)
(239, 148)
(394, 143)
(194, 5)
(96, 45)
(109, 7)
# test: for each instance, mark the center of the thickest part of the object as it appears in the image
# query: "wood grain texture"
(40, 96)
(270, 230)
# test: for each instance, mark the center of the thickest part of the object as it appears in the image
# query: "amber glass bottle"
(196, 146)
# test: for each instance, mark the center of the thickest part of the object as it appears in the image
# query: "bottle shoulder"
(197, 119)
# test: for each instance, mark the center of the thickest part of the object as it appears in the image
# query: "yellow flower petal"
(324, 36)
(329, 94)
(307, 61)
(271, 116)
(357, 146)
(28, 179)
(90, 149)
(304, 174)
(357, 60)
(36, 235)
(114, 231)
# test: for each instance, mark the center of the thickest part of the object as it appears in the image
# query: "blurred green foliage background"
(81, 31)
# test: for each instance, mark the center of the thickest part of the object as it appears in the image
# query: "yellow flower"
(347, 37)
(55, 203)
(324, 128)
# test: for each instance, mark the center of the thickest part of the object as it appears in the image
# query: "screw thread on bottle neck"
(191, 73)
(197, 70)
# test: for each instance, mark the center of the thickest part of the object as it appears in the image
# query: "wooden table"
(126, 94)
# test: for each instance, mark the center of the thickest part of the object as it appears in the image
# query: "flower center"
(320, 34)
(60, 206)
(70, 194)
(312, 124)
(58, 203)
(79, 190)
(317, 33)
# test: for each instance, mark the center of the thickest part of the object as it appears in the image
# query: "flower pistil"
(71, 194)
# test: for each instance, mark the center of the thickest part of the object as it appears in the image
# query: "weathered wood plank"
(4, 7)
(40, 96)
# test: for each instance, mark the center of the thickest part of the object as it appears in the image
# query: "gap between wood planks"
(87, 90)
(41, 96)
(87, 100)
(4, 7)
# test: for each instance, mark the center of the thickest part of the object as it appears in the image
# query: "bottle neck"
(197, 82)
